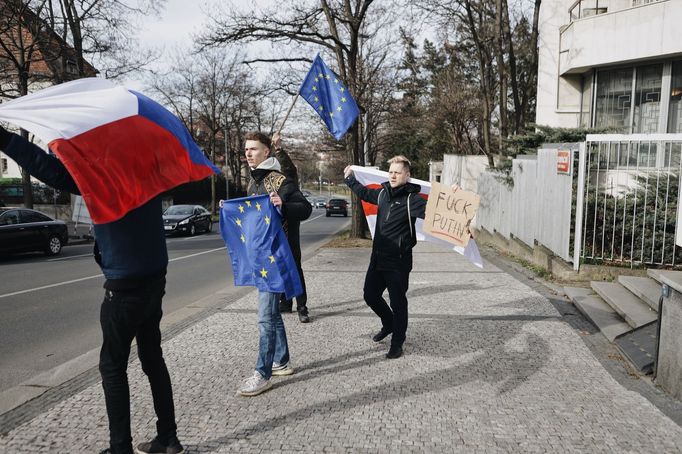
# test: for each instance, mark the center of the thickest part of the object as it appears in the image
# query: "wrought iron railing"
(627, 199)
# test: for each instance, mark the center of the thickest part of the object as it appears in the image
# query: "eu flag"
(330, 98)
(258, 247)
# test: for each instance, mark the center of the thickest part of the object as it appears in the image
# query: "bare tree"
(335, 26)
(25, 54)
(103, 31)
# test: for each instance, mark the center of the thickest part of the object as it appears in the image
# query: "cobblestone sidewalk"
(489, 366)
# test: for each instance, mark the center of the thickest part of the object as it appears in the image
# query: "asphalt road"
(50, 306)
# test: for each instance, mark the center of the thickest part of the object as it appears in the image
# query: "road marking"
(198, 253)
(69, 258)
(311, 219)
(73, 281)
(50, 286)
(196, 237)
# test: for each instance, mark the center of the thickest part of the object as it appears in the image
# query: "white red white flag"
(372, 178)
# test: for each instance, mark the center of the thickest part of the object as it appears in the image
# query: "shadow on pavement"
(487, 357)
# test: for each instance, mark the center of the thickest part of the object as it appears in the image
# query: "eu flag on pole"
(325, 92)
(260, 253)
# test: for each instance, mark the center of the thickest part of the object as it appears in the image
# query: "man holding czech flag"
(120, 150)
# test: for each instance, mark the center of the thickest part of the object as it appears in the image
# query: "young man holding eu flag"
(266, 178)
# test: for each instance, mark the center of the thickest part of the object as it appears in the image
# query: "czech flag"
(372, 179)
(121, 148)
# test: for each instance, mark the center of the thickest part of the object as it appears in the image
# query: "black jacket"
(129, 250)
(394, 234)
(295, 207)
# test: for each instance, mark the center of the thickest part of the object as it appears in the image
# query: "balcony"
(581, 9)
(609, 32)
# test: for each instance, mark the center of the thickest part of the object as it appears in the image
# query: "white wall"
(536, 209)
(463, 170)
(554, 204)
(524, 200)
(553, 15)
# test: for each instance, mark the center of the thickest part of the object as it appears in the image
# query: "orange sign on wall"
(563, 161)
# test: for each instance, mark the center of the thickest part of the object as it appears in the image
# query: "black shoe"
(105, 451)
(303, 317)
(156, 447)
(394, 352)
(381, 335)
(284, 307)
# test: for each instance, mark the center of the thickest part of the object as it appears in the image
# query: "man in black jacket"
(133, 256)
(289, 170)
(399, 206)
(266, 178)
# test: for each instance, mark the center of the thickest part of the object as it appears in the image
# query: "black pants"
(302, 299)
(396, 281)
(125, 315)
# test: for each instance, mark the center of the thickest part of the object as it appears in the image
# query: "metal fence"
(627, 199)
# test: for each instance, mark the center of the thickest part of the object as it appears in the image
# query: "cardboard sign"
(449, 213)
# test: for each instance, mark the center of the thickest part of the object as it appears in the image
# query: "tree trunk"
(518, 110)
(484, 84)
(25, 176)
(534, 47)
(501, 69)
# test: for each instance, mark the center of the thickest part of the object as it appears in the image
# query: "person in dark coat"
(399, 206)
(133, 256)
(266, 178)
(289, 170)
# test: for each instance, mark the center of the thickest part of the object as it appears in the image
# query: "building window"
(71, 67)
(614, 100)
(3, 166)
(647, 99)
(675, 111)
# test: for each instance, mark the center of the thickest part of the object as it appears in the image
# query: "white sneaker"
(282, 369)
(254, 385)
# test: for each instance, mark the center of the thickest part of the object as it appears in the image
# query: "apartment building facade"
(613, 64)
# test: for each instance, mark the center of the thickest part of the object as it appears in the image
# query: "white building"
(9, 168)
(611, 64)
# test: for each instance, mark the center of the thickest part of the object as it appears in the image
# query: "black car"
(187, 219)
(337, 206)
(24, 230)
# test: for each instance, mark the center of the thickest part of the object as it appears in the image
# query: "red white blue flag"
(120, 147)
(372, 178)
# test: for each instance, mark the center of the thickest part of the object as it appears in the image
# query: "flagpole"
(287, 115)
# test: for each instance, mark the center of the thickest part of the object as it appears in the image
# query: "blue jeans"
(273, 338)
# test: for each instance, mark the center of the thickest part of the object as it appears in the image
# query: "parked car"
(337, 206)
(320, 203)
(24, 230)
(187, 219)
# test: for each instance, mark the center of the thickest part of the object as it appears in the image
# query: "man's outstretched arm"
(36, 162)
(368, 195)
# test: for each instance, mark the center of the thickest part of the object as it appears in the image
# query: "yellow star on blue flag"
(325, 92)
(258, 247)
